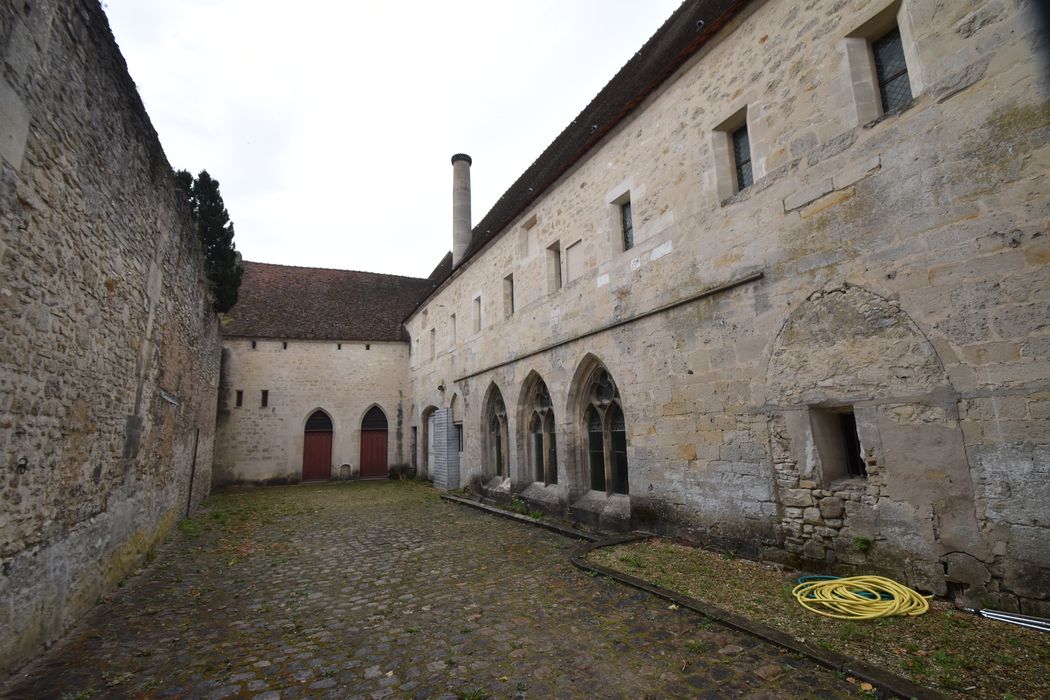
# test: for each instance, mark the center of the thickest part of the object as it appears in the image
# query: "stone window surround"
(722, 156)
(858, 62)
(508, 296)
(626, 192)
(555, 272)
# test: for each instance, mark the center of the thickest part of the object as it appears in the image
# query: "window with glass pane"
(742, 158)
(891, 71)
(536, 430)
(627, 225)
(618, 434)
(552, 451)
(497, 445)
(596, 449)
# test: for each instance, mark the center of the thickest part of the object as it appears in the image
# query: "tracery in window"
(542, 444)
(606, 434)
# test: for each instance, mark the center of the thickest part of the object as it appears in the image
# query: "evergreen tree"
(215, 231)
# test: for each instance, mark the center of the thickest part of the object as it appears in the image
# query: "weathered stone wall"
(342, 378)
(899, 267)
(109, 355)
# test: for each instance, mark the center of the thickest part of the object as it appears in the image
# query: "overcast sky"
(330, 124)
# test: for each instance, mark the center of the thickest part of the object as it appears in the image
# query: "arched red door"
(374, 444)
(317, 447)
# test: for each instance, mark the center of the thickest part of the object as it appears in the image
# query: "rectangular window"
(553, 267)
(838, 443)
(742, 158)
(574, 261)
(338, 346)
(508, 296)
(891, 71)
(459, 437)
(240, 398)
(253, 345)
(452, 329)
(284, 345)
(433, 342)
(477, 314)
(265, 398)
(626, 224)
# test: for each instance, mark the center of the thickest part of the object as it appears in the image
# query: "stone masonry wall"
(897, 267)
(342, 378)
(109, 355)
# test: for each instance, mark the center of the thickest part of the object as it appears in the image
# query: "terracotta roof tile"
(282, 301)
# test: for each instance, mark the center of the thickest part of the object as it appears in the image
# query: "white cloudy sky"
(330, 124)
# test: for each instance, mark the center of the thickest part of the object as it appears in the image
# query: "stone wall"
(897, 268)
(109, 356)
(342, 378)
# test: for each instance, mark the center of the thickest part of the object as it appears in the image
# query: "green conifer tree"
(215, 231)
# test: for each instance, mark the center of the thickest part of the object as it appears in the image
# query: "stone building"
(109, 355)
(315, 372)
(782, 286)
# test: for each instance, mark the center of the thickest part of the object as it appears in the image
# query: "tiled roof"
(282, 301)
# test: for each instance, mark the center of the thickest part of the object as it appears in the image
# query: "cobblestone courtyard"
(383, 590)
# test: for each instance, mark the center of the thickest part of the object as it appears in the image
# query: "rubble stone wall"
(109, 355)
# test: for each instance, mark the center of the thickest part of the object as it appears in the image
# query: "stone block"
(811, 515)
(831, 508)
(796, 498)
(804, 196)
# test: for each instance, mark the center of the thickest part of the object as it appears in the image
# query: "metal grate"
(892, 71)
(742, 158)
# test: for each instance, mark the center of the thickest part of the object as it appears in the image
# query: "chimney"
(460, 206)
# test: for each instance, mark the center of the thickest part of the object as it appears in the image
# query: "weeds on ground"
(956, 652)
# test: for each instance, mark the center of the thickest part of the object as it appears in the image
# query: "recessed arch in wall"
(595, 404)
(496, 435)
(374, 447)
(318, 432)
(426, 441)
(538, 439)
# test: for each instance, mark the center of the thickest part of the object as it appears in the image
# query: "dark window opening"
(618, 433)
(240, 398)
(375, 419)
(253, 345)
(891, 71)
(742, 158)
(536, 429)
(627, 225)
(338, 346)
(367, 346)
(496, 440)
(596, 449)
(265, 398)
(854, 459)
(284, 345)
(459, 437)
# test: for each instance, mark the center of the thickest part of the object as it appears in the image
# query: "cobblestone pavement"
(376, 590)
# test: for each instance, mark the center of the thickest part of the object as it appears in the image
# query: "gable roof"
(309, 303)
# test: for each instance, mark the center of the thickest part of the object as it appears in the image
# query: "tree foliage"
(215, 231)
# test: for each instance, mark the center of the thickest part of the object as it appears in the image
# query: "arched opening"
(374, 444)
(605, 429)
(317, 447)
(540, 442)
(496, 436)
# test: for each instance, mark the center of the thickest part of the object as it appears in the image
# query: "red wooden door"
(373, 454)
(317, 456)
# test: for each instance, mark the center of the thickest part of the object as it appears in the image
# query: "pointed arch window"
(543, 451)
(496, 428)
(606, 434)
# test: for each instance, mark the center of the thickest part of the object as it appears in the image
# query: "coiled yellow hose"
(860, 598)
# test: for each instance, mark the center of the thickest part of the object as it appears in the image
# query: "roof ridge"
(336, 269)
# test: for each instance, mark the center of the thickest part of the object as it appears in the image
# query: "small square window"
(742, 158)
(626, 224)
(240, 398)
(338, 346)
(265, 398)
(838, 443)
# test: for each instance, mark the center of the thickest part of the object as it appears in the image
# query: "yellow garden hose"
(858, 597)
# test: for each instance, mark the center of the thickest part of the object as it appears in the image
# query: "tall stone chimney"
(460, 206)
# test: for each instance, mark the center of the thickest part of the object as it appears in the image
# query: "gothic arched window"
(496, 448)
(543, 453)
(606, 432)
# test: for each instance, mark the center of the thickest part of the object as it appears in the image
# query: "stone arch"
(537, 440)
(850, 371)
(364, 413)
(845, 342)
(496, 440)
(318, 432)
(597, 412)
